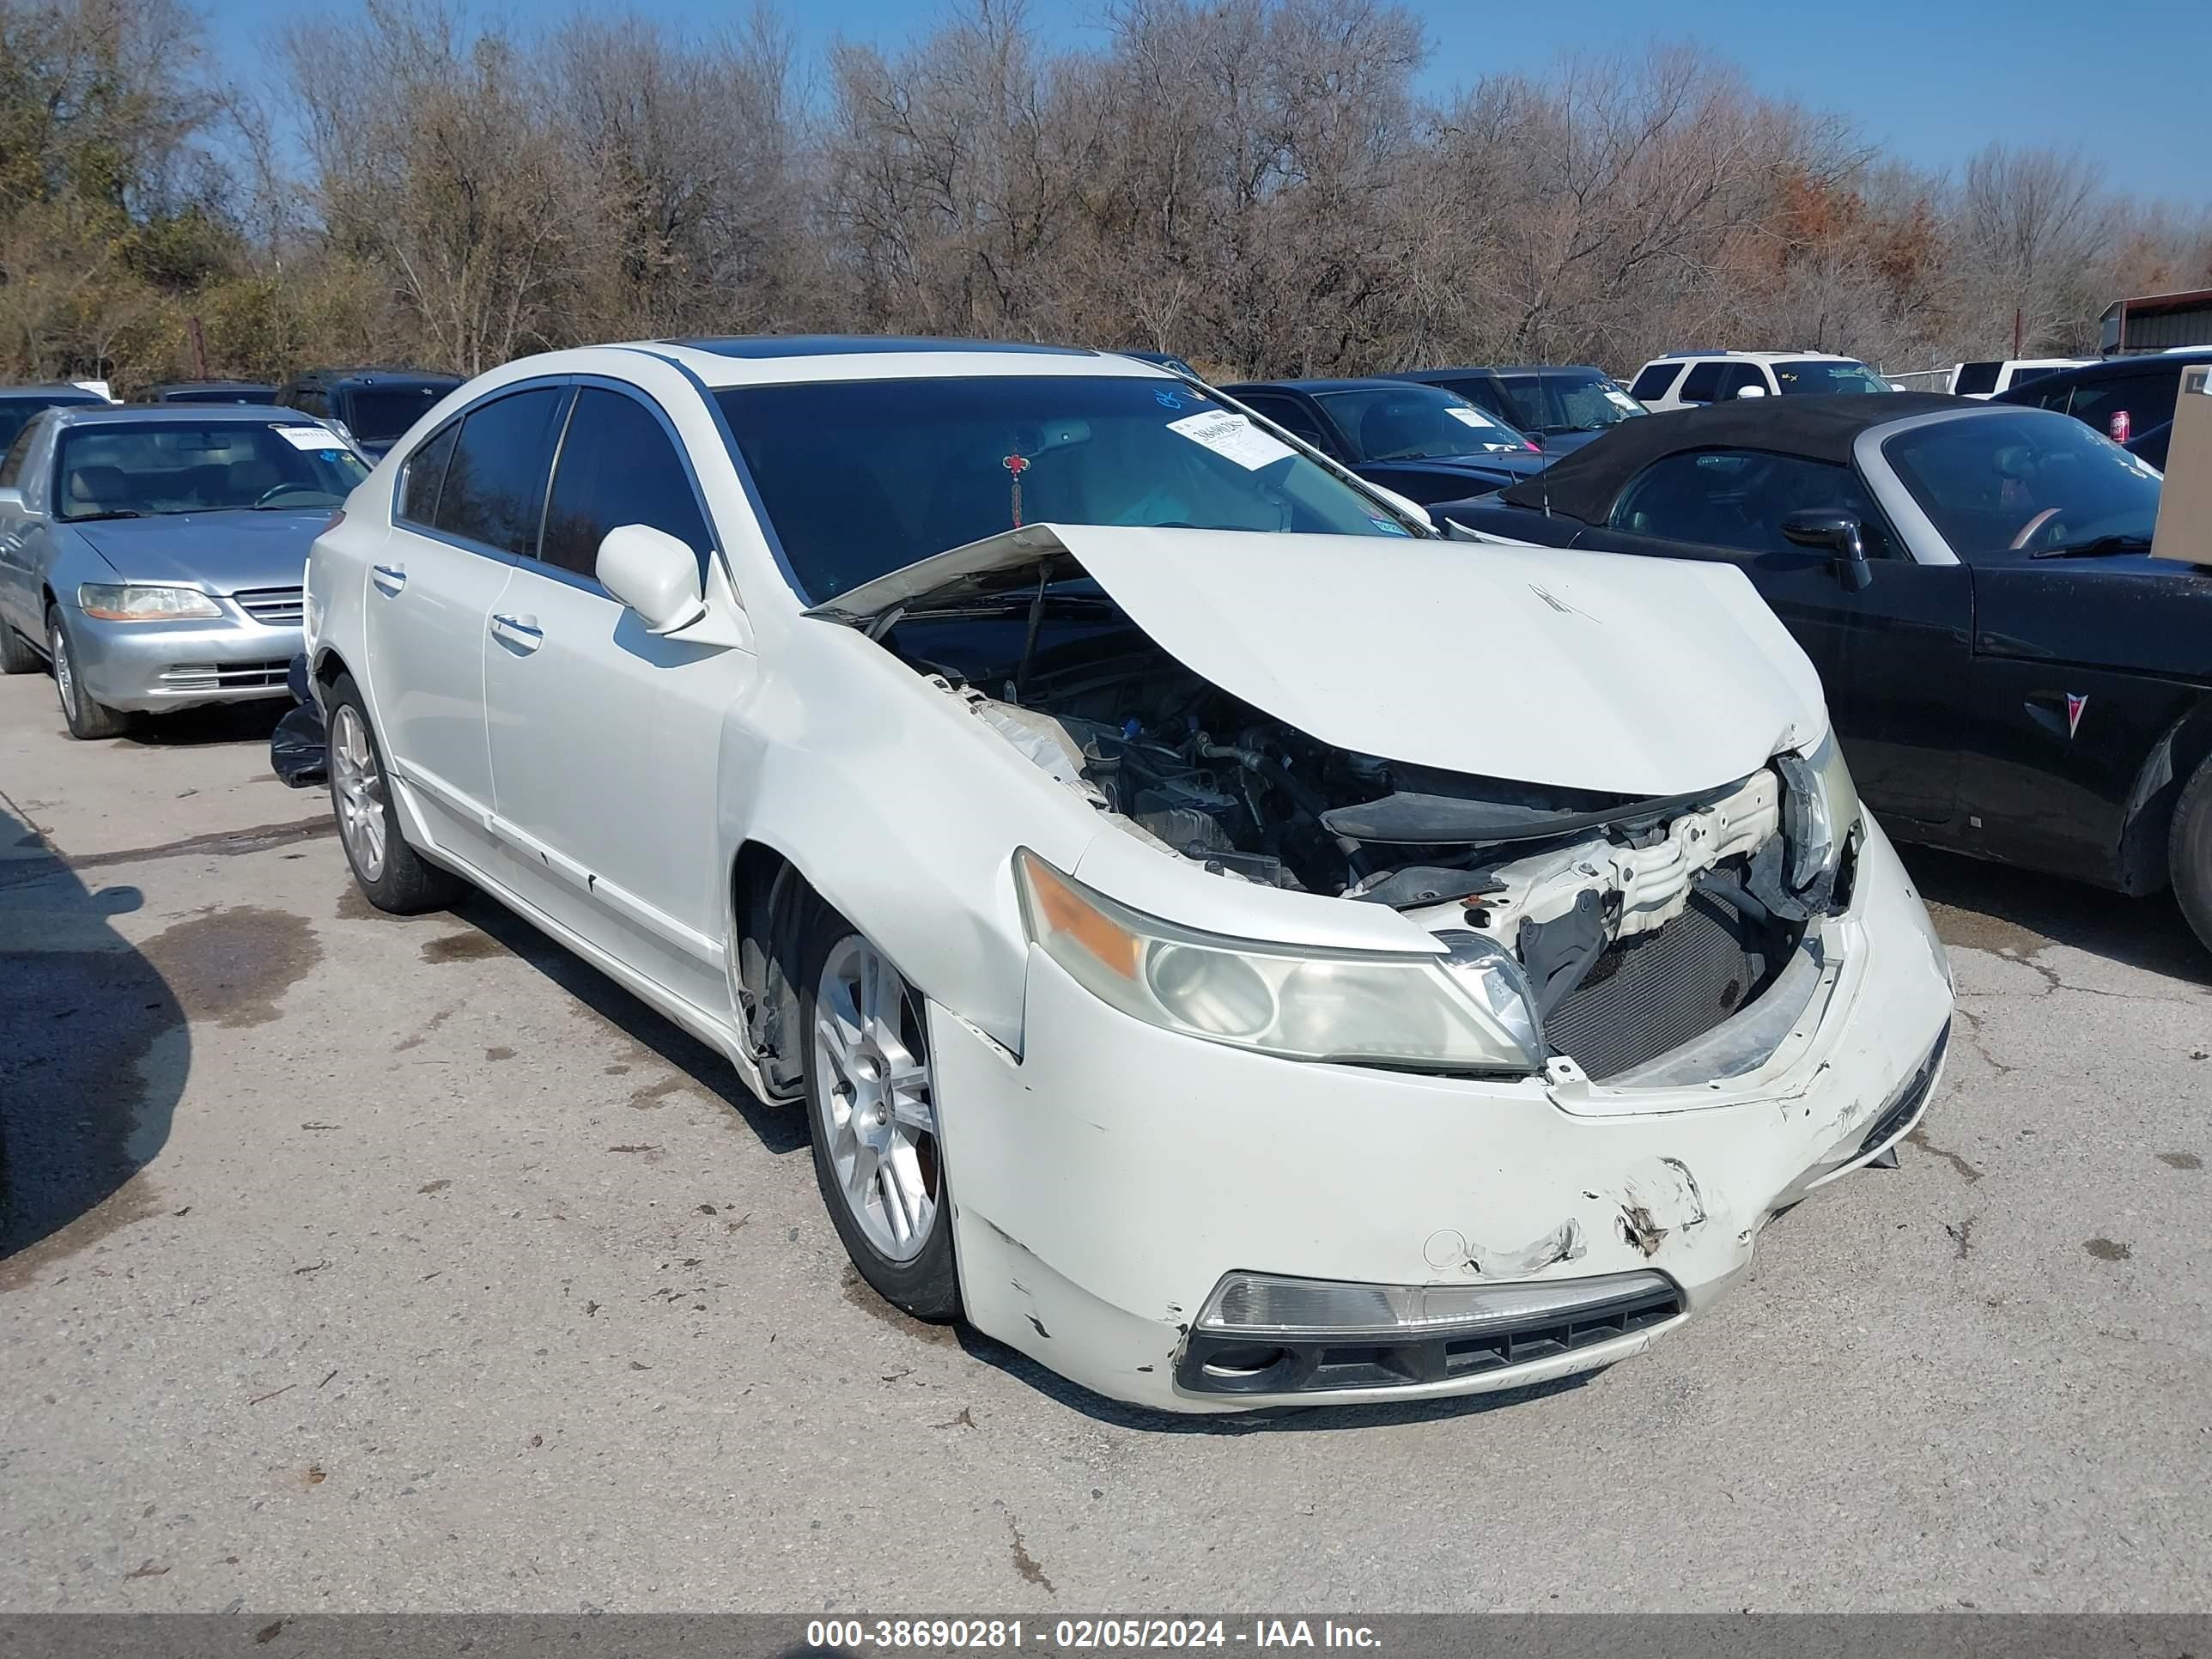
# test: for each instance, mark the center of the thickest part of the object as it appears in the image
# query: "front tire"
(873, 1112)
(86, 717)
(392, 875)
(2190, 852)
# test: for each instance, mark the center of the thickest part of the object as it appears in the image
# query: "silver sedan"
(153, 557)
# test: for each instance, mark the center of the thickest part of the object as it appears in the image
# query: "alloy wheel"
(65, 675)
(872, 1102)
(357, 786)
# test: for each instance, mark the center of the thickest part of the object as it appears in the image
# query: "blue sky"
(1931, 80)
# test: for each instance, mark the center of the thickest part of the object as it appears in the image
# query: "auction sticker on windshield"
(1233, 438)
(1469, 416)
(311, 438)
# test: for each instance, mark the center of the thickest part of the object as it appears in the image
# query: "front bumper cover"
(152, 665)
(1106, 1180)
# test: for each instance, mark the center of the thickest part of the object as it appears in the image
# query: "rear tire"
(391, 874)
(86, 718)
(873, 1116)
(2189, 851)
(17, 654)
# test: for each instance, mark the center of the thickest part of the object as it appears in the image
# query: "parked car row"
(1125, 815)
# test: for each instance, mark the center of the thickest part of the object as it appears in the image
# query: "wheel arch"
(2166, 772)
(770, 899)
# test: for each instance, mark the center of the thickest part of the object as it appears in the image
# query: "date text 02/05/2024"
(1082, 1635)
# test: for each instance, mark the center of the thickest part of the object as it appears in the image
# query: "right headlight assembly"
(1820, 808)
(1466, 1010)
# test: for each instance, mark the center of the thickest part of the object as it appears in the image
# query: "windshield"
(1829, 378)
(1412, 422)
(2003, 486)
(15, 412)
(145, 469)
(1570, 400)
(378, 414)
(862, 477)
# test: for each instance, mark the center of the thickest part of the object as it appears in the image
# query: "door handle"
(523, 632)
(388, 578)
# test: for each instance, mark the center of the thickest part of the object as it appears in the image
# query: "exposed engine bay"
(1561, 878)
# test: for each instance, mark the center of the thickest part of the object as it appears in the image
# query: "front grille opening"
(226, 676)
(1650, 994)
(279, 607)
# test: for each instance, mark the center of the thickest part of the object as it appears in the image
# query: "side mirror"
(1751, 392)
(654, 574)
(11, 500)
(1839, 534)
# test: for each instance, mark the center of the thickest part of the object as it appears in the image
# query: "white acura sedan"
(1232, 943)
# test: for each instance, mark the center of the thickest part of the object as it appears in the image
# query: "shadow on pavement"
(236, 722)
(94, 1063)
(2011, 912)
(780, 1129)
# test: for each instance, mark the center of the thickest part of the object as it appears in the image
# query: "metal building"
(2154, 322)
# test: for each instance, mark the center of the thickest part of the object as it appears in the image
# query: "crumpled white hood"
(1579, 669)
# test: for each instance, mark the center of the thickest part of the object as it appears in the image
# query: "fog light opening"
(1241, 1364)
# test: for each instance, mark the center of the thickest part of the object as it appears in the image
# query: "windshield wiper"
(111, 513)
(2096, 549)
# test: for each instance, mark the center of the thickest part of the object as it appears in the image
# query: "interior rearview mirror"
(1840, 535)
(654, 574)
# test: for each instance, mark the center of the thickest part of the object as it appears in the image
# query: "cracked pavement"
(360, 1263)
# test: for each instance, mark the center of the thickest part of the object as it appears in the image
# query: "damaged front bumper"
(1110, 1181)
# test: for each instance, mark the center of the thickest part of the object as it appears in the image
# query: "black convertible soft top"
(1584, 484)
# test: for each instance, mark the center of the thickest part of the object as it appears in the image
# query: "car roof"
(50, 389)
(1419, 374)
(766, 360)
(173, 414)
(1349, 383)
(1756, 356)
(1585, 484)
(2111, 368)
(1551, 368)
(335, 376)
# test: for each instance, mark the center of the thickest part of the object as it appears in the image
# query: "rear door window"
(2146, 401)
(425, 469)
(1702, 383)
(495, 486)
(617, 466)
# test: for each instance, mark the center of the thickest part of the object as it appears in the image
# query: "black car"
(376, 405)
(1421, 442)
(2011, 675)
(1562, 406)
(211, 391)
(2129, 399)
(19, 403)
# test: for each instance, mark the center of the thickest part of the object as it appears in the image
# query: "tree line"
(1256, 185)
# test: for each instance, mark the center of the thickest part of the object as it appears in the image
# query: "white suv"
(936, 730)
(1684, 380)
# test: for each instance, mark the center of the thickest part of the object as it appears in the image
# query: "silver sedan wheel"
(871, 1103)
(357, 786)
(65, 675)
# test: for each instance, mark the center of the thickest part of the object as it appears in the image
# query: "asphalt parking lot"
(360, 1263)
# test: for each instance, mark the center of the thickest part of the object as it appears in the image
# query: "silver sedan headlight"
(1820, 809)
(143, 602)
(1467, 1010)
